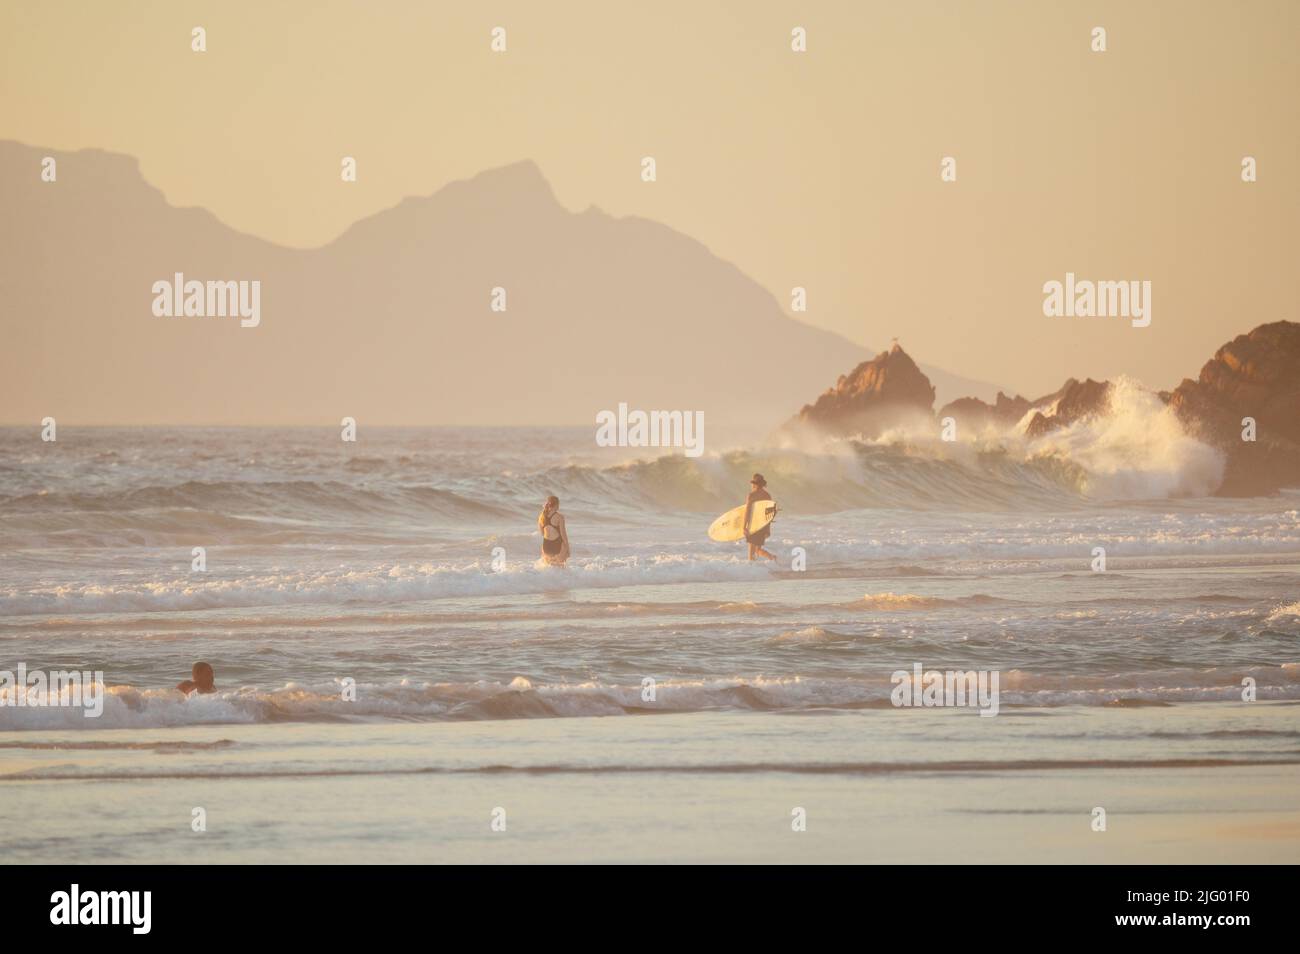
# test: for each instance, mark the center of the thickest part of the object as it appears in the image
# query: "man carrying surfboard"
(757, 492)
(749, 521)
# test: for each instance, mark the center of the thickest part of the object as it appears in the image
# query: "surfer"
(201, 681)
(757, 492)
(555, 536)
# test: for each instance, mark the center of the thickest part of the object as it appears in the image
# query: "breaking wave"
(521, 698)
(1136, 451)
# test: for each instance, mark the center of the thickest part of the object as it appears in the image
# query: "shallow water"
(375, 562)
(1207, 782)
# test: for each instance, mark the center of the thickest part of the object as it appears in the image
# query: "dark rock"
(1076, 400)
(1255, 375)
(973, 414)
(869, 399)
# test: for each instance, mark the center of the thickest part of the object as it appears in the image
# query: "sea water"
(393, 665)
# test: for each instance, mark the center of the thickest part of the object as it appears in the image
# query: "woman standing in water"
(555, 537)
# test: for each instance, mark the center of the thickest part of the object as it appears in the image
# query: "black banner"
(1221, 903)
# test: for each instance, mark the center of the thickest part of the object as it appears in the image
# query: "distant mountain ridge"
(388, 323)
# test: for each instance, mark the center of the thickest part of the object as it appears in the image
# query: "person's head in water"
(552, 505)
(203, 676)
(202, 679)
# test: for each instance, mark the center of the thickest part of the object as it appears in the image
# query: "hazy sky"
(818, 169)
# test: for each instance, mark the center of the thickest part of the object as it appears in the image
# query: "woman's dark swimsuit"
(552, 547)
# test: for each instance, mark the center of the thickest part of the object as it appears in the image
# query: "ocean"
(393, 667)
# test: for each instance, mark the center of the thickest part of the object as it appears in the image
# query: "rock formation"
(869, 399)
(972, 414)
(1257, 376)
(1076, 400)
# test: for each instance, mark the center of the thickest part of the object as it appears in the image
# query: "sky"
(818, 169)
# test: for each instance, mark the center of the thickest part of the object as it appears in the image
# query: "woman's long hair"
(552, 505)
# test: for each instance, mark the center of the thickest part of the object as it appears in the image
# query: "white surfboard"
(731, 525)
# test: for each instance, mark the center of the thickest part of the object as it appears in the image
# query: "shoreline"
(668, 789)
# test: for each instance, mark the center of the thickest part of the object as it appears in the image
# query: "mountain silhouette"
(390, 323)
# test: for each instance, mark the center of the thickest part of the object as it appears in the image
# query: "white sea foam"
(1137, 451)
(524, 698)
(381, 583)
(1285, 615)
